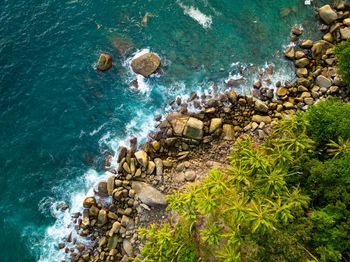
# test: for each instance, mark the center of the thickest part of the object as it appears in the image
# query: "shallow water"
(59, 116)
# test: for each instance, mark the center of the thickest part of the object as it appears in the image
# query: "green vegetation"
(342, 52)
(287, 199)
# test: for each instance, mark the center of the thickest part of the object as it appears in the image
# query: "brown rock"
(89, 201)
(146, 64)
(104, 62)
(289, 52)
(282, 91)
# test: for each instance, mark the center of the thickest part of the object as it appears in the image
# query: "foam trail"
(204, 20)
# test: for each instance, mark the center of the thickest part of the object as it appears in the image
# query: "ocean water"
(59, 116)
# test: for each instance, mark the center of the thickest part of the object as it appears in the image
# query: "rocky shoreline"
(187, 144)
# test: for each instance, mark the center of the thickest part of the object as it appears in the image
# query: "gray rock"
(127, 222)
(345, 33)
(150, 168)
(128, 247)
(178, 125)
(228, 132)
(110, 185)
(190, 175)
(121, 154)
(102, 218)
(323, 81)
(159, 166)
(149, 195)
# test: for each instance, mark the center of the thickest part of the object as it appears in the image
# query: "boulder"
(232, 96)
(323, 81)
(89, 201)
(320, 47)
(261, 106)
(228, 132)
(345, 33)
(303, 62)
(128, 247)
(102, 189)
(150, 168)
(146, 64)
(142, 157)
(149, 195)
(282, 91)
(297, 31)
(289, 52)
(306, 43)
(260, 119)
(104, 62)
(159, 166)
(127, 222)
(122, 153)
(194, 128)
(327, 14)
(102, 218)
(112, 242)
(215, 123)
(178, 125)
(110, 185)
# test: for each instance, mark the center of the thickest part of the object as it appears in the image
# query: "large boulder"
(149, 195)
(215, 123)
(323, 82)
(345, 33)
(142, 157)
(145, 64)
(319, 48)
(261, 106)
(102, 218)
(259, 119)
(289, 52)
(178, 125)
(327, 14)
(104, 62)
(194, 128)
(89, 201)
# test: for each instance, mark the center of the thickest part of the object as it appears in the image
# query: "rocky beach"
(187, 144)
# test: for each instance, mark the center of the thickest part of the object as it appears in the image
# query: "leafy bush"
(328, 120)
(342, 52)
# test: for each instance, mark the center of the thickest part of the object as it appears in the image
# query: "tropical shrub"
(342, 52)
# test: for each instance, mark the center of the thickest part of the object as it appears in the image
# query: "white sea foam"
(204, 20)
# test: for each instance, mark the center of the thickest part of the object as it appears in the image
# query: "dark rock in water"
(63, 207)
(121, 154)
(257, 84)
(122, 45)
(134, 84)
(146, 64)
(296, 30)
(61, 245)
(192, 97)
(158, 118)
(178, 101)
(133, 143)
(269, 70)
(234, 82)
(149, 195)
(104, 62)
(102, 189)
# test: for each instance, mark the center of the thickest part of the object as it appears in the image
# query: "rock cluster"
(111, 228)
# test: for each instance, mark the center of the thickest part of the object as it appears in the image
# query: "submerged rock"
(146, 64)
(149, 195)
(104, 62)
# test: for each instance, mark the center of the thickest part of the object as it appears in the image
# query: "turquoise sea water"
(59, 116)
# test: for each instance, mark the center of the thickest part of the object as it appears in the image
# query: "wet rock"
(133, 143)
(122, 153)
(327, 14)
(306, 43)
(299, 54)
(149, 195)
(215, 123)
(146, 64)
(89, 201)
(303, 62)
(228, 132)
(102, 189)
(122, 45)
(296, 30)
(61, 245)
(259, 119)
(110, 185)
(261, 106)
(142, 158)
(289, 52)
(282, 91)
(104, 62)
(81, 247)
(102, 218)
(323, 81)
(193, 128)
(257, 84)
